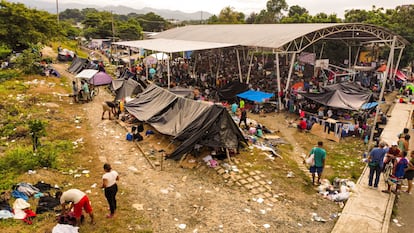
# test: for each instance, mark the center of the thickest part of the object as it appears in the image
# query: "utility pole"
(57, 11)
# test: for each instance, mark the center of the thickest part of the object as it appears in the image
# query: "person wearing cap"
(376, 163)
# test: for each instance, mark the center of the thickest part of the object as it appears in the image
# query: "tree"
(152, 22)
(274, 9)
(229, 16)
(20, 26)
(252, 18)
(37, 130)
(297, 10)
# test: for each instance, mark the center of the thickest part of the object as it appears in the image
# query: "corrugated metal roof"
(173, 45)
(254, 35)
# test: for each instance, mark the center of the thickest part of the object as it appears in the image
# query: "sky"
(249, 6)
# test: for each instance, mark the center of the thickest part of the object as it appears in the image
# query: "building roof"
(173, 45)
(282, 37)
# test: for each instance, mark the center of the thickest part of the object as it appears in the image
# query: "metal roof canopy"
(173, 45)
(282, 37)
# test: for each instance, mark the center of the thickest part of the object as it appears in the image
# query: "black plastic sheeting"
(189, 122)
(125, 88)
(229, 91)
(348, 95)
(78, 64)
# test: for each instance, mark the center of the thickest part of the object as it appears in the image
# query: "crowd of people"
(392, 160)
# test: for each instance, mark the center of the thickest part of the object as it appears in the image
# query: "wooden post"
(228, 155)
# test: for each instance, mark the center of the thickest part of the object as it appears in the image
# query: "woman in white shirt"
(110, 187)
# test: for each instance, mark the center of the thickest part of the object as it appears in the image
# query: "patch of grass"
(8, 74)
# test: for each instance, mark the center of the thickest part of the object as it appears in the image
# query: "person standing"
(243, 118)
(85, 90)
(375, 163)
(78, 200)
(409, 173)
(110, 187)
(234, 107)
(75, 91)
(241, 103)
(400, 165)
(319, 157)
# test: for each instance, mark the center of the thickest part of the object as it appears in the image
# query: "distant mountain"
(123, 10)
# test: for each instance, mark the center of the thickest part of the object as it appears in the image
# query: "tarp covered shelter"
(125, 88)
(230, 90)
(86, 74)
(189, 122)
(78, 64)
(347, 95)
(101, 78)
(256, 96)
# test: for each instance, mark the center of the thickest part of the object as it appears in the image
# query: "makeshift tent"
(230, 90)
(348, 95)
(94, 77)
(181, 91)
(256, 96)
(398, 74)
(124, 88)
(189, 122)
(78, 64)
(100, 78)
(86, 74)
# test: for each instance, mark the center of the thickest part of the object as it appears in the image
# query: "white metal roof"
(255, 35)
(173, 45)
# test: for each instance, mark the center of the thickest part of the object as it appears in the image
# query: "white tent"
(86, 74)
(160, 56)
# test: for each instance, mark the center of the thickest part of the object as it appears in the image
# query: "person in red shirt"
(302, 124)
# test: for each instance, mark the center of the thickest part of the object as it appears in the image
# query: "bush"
(20, 160)
(8, 74)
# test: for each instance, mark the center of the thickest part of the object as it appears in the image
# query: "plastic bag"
(310, 160)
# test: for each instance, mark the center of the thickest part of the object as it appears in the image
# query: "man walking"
(375, 163)
(319, 157)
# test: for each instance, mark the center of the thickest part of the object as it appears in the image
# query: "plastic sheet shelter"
(101, 78)
(124, 88)
(86, 74)
(348, 95)
(230, 90)
(256, 96)
(189, 122)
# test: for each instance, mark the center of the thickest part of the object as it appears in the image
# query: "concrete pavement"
(369, 210)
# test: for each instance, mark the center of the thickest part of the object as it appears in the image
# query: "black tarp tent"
(125, 88)
(78, 64)
(346, 95)
(189, 122)
(229, 91)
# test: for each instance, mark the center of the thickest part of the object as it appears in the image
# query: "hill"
(119, 9)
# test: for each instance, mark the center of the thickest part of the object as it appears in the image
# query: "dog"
(111, 107)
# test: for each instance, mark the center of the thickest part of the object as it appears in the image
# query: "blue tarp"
(256, 96)
(369, 105)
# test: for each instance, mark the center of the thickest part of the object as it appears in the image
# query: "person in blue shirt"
(234, 107)
(375, 163)
(319, 157)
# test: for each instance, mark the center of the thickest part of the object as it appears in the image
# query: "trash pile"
(339, 191)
